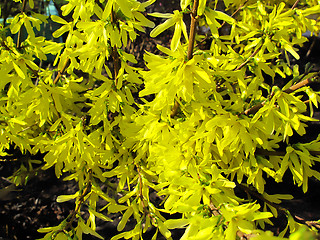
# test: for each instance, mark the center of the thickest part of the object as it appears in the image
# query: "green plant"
(217, 120)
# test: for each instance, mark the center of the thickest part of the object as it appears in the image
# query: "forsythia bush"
(215, 120)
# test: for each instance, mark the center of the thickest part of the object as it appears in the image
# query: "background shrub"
(189, 138)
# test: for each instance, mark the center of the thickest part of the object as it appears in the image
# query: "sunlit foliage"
(217, 120)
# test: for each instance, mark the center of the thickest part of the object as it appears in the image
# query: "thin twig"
(193, 27)
(253, 109)
(264, 152)
(61, 71)
(24, 4)
(6, 11)
(116, 63)
(114, 53)
(257, 195)
(174, 109)
(224, 22)
(291, 89)
(140, 195)
(298, 85)
(283, 210)
(248, 59)
(295, 4)
(7, 48)
(235, 12)
(3, 44)
(311, 47)
(74, 213)
(244, 63)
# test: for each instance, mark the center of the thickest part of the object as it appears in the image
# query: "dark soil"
(34, 206)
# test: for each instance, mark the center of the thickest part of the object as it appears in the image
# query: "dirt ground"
(34, 206)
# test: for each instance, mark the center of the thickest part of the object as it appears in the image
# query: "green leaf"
(19, 71)
(125, 218)
(290, 49)
(176, 223)
(163, 229)
(128, 195)
(201, 7)
(162, 27)
(58, 19)
(175, 41)
(145, 22)
(100, 215)
(60, 31)
(184, 4)
(61, 236)
(114, 208)
(125, 7)
(18, 121)
(31, 4)
(223, 16)
(262, 215)
(161, 15)
(65, 198)
(107, 10)
(87, 230)
(48, 229)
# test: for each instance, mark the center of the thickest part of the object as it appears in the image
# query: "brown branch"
(140, 195)
(6, 11)
(224, 22)
(253, 109)
(264, 152)
(24, 4)
(283, 210)
(114, 53)
(248, 59)
(61, 71)
(74, 213)
(193, 27)
(298, 85)
(116, 63)
(295, 4)
(291, 89)
(7, 48)
(235, 12)
(311, 47)
(174, 109)
(78, 206)
(245, 62)
(257, 195)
